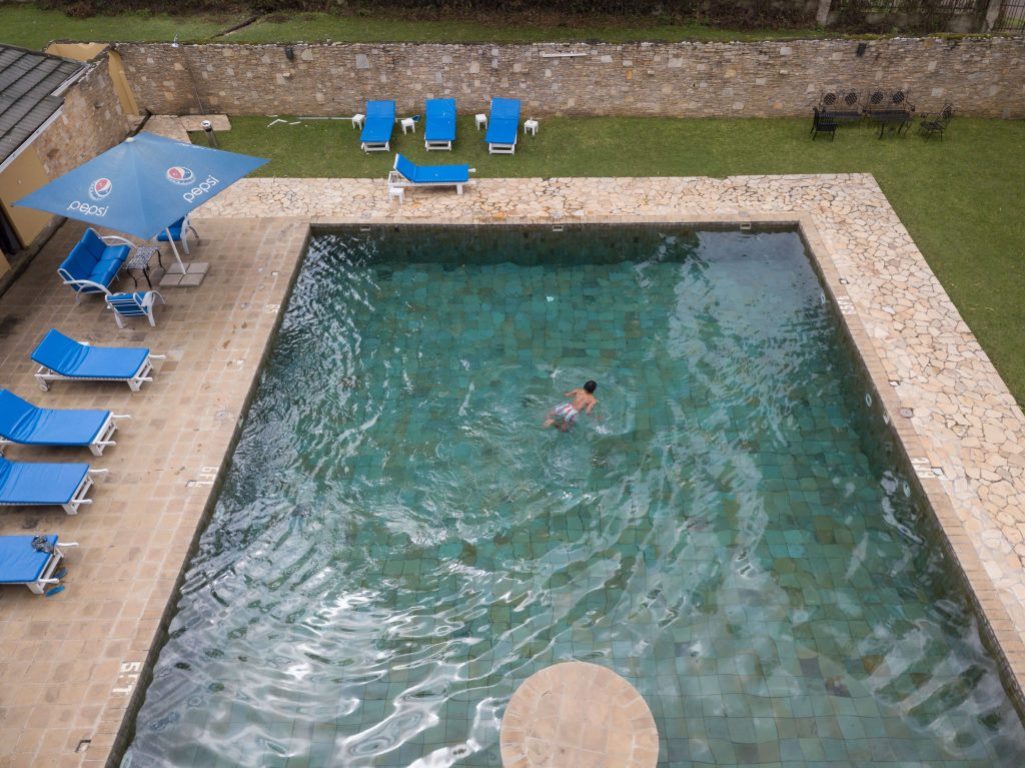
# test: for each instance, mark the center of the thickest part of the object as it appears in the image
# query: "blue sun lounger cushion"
(60, 357)
(22, 422)
(432, 174)
(23, 563)
(378, 126)
(441, 124)
(503, 126)
(44, 484)
(408, 174)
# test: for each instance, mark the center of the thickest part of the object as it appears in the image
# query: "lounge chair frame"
(45, 375)
(104, 437)
(375, 146)
(501, 149)
(78, 498)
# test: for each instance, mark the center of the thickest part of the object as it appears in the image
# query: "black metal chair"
(822, 123)
(936, 123)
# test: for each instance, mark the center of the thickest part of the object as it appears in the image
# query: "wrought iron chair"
(876, 102)
(822, 123)
(840, 106)
(936, 123)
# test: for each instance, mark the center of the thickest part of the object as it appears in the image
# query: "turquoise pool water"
(399, 544)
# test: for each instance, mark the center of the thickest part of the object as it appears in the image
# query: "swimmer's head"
(590, 386)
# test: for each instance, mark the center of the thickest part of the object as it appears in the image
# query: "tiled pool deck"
(72, 662)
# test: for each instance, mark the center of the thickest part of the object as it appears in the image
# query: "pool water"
(399, 544)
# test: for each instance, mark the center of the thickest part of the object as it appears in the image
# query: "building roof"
(28, 80)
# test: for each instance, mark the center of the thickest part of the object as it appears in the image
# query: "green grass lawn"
(31, 27)
(310, 27)
(960, 198)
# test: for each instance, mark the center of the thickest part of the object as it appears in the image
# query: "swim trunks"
(565, 413)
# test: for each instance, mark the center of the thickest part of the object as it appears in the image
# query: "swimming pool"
(398, 544)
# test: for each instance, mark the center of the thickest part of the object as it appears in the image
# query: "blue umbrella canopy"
(143, 185)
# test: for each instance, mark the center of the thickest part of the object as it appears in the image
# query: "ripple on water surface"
(398, 544)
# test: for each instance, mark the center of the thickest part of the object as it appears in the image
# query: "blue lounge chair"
(377, 129)
(22, 422)
(37, 484)
(408, 174)
(441, 124)
(62, 358)
(179, 233)
(94, 263)
(21, 562)
(503, 126)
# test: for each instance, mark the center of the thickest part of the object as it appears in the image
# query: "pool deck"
(72, 663)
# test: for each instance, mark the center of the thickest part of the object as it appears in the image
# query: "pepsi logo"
(100, 188)
(179, 174)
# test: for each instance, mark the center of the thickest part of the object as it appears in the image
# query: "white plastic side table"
(481, 120)
(410, 123)
(531, 125)
(357, 120)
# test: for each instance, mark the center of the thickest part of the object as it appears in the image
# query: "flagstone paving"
(71, 663)
(74, 664)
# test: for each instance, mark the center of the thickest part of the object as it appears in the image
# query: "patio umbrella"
(142, 186)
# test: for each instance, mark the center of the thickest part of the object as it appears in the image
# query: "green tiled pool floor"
(399, 544)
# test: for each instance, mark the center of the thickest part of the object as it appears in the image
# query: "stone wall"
(980, 76)
(92, 122)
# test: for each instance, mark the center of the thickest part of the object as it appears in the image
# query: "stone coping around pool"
(75, 665)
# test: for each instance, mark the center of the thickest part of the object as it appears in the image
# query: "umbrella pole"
(175, 249)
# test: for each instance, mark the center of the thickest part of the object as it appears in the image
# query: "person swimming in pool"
(563, 416)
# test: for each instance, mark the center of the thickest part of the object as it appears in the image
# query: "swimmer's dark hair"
(590, 386)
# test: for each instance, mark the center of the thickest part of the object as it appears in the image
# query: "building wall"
(25, 174)
(92, 122)
(980, 76)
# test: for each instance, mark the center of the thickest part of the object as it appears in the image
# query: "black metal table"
(895, 119)
(140, 261)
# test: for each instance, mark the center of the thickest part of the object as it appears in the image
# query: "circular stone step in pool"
(578, 714)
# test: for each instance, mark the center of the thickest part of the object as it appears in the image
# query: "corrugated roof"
(27, 82)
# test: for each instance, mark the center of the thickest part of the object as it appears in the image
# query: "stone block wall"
(980, 76)
(92, 122)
